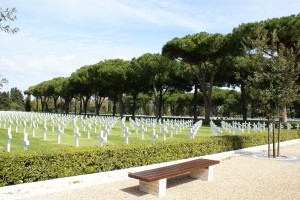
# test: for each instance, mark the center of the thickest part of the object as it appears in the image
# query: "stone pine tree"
(275, 79)
(136, 82)
(99, 89)
(156, 69)
(4, 101)
(113, 74)
(81, 81)
(28, 103)
(16, 99)
(205, 54)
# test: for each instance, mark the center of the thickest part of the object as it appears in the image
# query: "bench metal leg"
(158, 188)
(205, 174)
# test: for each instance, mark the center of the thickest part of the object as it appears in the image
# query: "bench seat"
(154, 180)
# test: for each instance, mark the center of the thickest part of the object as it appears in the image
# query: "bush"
(21, 167)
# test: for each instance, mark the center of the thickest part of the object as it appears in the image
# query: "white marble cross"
(142, 132)
(171, 130)
(52, 125)
(101, 139)
(126, 134)
(45, 131)
(191, 133)
(288, 126)
(95, 126)
(137, 127)
(4, 123)
(58, 134)
(17, 123)
(239, 130)
(153, 136)
(9, 137)
(24, 127)
(164, 132)
(89, 128)
(33, 129)
(76, 136)
(25, 141)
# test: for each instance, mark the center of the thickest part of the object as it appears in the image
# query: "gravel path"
(242, 177)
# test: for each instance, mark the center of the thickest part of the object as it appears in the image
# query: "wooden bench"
(154, 181)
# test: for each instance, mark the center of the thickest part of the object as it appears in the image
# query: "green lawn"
(68, 140)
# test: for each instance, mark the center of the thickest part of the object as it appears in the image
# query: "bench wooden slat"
(175, 168)
(172, 170)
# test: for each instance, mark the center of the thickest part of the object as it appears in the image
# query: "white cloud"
(56, 37)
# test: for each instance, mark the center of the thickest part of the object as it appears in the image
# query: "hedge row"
(22, 167)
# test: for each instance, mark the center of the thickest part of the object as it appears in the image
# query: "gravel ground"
(241, 177)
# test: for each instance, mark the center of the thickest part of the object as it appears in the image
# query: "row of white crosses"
(215, 129)
(140, 125)
(193, 131)
(8, 118)
(125, 130)
(135, 124)
(103, 134)
(58, 120)
(171, 126)
(237, 128)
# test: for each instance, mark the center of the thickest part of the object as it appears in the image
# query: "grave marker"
(101, 139)
(153, 136)
(76, 136)
(58, 134)
(45, 132)
(9, 137)
(126, 134)
(25, 141)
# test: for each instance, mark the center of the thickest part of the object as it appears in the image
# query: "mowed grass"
(115, 137)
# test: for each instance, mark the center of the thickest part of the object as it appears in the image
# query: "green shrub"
(21, 167)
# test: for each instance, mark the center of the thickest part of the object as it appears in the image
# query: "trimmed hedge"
(22, 167)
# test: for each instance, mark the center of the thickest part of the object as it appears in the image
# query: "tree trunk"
(284, 114)
(134, 97)
(60, 104)
(67, 105)
(278, 138)
(156, 99)
(85, 103)
(121, 110)
(37, 104)
(244, 101)
(43, 103)
(98, 103)
(80, 105)
(160, 103)
(55, 104)
(115, 106)
(269, 145)
(46, 104)
(195, 103)
(207, 104)
(206, 88)
(75, 106)
(156, 107)
(274, 145)
(144, 107)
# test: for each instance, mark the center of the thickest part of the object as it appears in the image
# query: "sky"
(57, 37)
